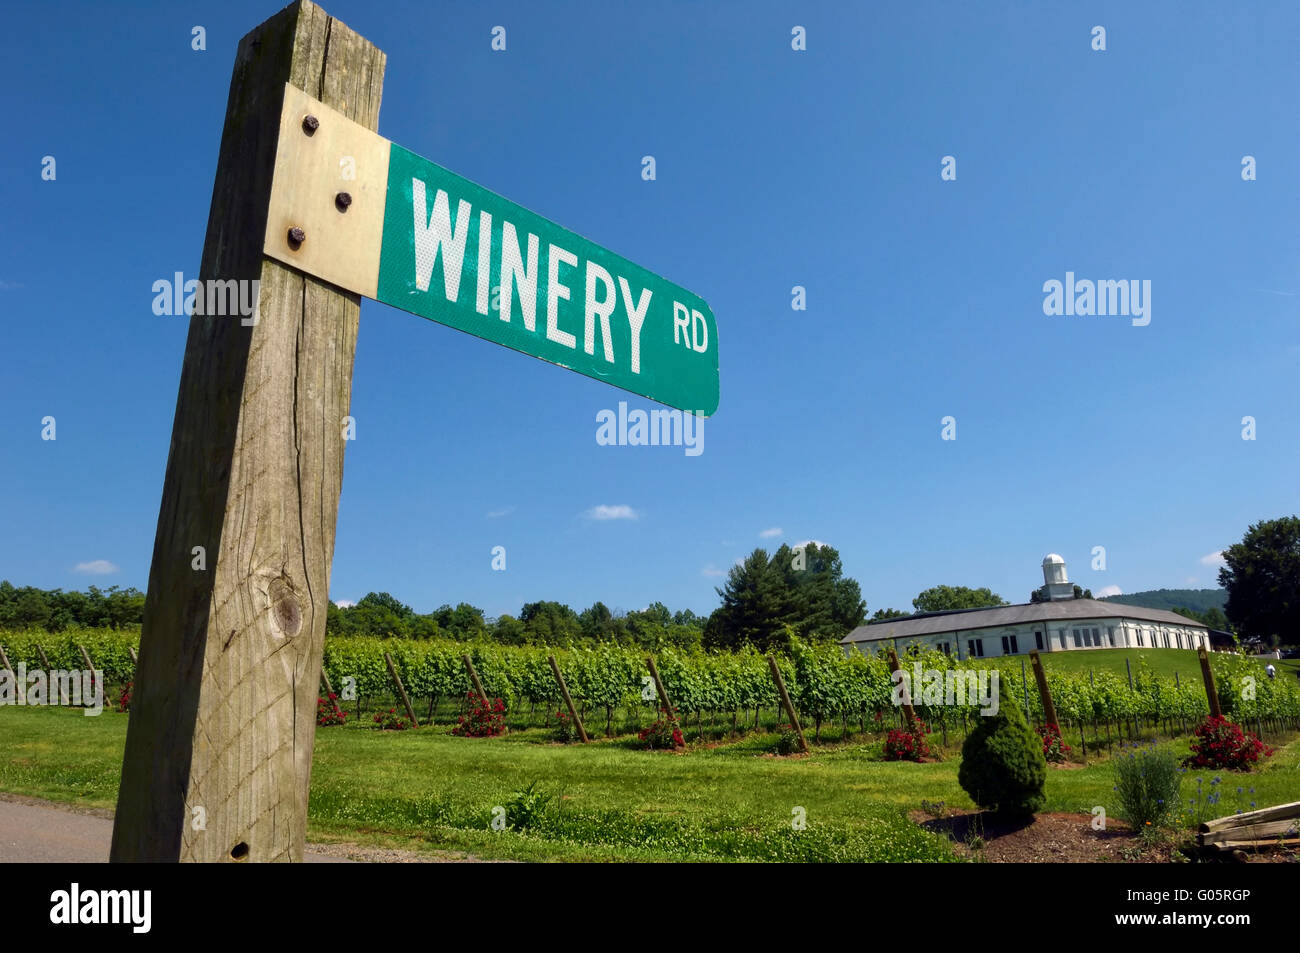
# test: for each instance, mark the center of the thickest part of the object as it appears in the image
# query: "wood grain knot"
(286, 613)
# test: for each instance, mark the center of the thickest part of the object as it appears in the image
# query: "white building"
(1059, 623)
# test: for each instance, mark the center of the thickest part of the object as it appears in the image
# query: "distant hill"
(1197, 599)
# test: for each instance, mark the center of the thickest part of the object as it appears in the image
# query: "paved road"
(37, 832)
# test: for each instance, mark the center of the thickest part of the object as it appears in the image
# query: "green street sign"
(446, 249)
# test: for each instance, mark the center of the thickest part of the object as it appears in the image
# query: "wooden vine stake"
(473, 676)
(223, 723)
(401, 689)
(659, 687)
(4, 659)
(1045, 693)
(785, 701)
(63, 684)
(564, 690)
(1211, 692)
(908, 710)
(329, 691)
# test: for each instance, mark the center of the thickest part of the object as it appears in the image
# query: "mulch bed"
(1062, 839)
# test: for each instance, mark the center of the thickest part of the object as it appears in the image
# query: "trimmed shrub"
(1002, 764)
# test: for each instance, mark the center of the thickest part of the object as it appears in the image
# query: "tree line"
(55, 610)
(796, 591)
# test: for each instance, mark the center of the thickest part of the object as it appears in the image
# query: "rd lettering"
(690, 328)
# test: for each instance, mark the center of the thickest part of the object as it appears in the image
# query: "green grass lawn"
(1163, 662)
(609, 801)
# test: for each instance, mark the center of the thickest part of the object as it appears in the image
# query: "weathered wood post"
(568, 700)
(401, 690)
(4, 660)
(1211, 691)
(785, 701)
(219, 747)
(1049, 709)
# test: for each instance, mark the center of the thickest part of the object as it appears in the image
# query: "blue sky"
(775, 168)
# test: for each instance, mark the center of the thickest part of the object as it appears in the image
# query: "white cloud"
(97, 567)
(604, 511)
(9, 285)
(1190, 581)
(497, 514)
(712, 571)
(344, 603)
(1107, 591)
(1213, 559)
(809, 542)
(770, 533)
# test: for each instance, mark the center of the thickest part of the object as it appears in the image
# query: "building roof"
(962, 620)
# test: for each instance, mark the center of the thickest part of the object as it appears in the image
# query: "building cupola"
(1056, 585)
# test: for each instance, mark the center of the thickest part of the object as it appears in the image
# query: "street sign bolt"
(343, 200)
(296, 237)
(310, 124)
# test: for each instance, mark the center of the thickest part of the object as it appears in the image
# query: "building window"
(1038, 641)
(976, 647)
(1096, 638)
(1110, 633)
(1009, 646)
(945, 648)
(1078, 639)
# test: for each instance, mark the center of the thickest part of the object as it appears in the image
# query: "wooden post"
(564, 690)
(1049, 709)
(659, 686)
(90, 667)
(224, 718)
(12, 674)
(907, 696)
(329, 691)
(473, 675)
(1211, 692)
(401, 689)
(785, 700)
(135, 659)
(63, 685)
